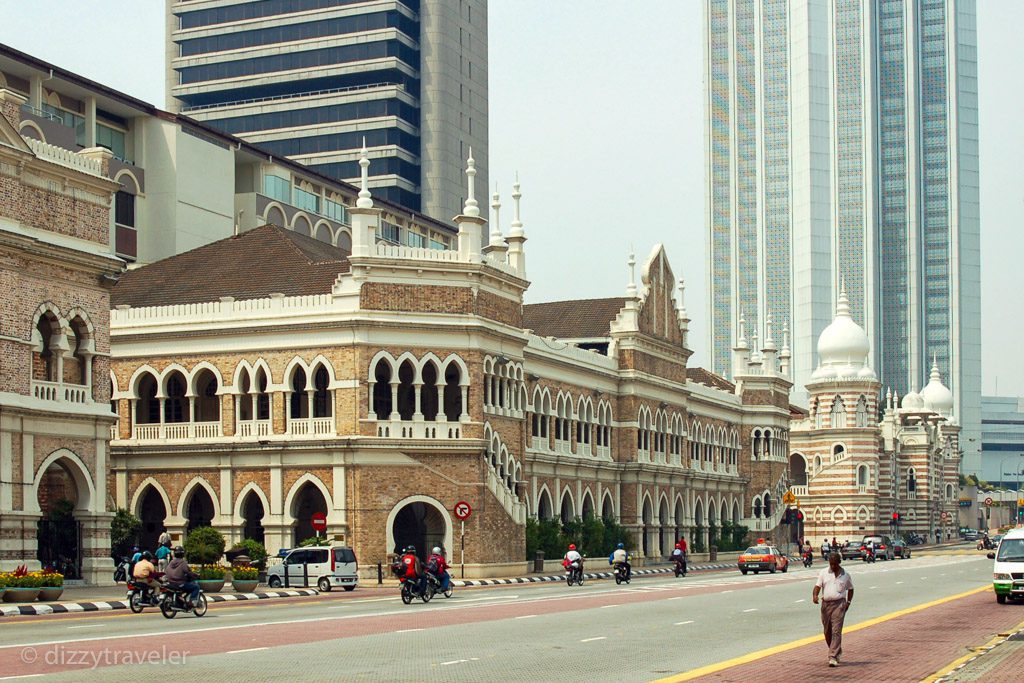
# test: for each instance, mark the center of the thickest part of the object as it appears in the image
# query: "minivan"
(1008, 570)
(322, 566)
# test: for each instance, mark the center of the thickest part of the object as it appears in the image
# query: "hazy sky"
(598, 105)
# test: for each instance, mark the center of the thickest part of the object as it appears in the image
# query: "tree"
(124, 533)
(204, 545)
(254, 550)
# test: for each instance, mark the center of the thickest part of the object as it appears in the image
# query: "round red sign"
(463, 510)
(318, 521)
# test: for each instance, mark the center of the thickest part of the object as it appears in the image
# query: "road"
(656, 627)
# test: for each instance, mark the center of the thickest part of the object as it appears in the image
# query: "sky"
(601, 114)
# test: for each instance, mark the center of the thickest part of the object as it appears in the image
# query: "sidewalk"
(588, 575)
(1000, 661)
(92, 599)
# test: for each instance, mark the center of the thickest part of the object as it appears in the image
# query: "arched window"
(299, 401)
(757, 506)
(381, 399)
(428, 392)
(175, 405)
(756, 444)
(838, 413)
(838, 452)
(207, 401)
(911, 481)
(321, 396)
(862, 476)
(453, 407)
(406, 391)
(147, 408)
(262, 397)
(767, 505)
(47, 350)
(862, 412)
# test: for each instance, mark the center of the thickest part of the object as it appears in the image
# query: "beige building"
(57, 268)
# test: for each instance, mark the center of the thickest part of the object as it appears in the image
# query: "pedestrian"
(835, 588)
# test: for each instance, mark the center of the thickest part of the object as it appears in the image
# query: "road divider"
(109, 605)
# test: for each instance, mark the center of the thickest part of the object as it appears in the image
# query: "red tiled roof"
(251, 265)
(709, 379)
(577, 319)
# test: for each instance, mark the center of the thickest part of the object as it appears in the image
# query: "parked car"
(762, 558)
(850, 551)
(883, 547)
(900, 548)
(969, 534)
(324, 567)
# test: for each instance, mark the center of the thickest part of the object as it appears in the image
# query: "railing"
(222, 309)
(513, 506)
(113, 432)
(247, 428)
(42, 114)
(58, 392)
(862, 489)
(407, 429)
(64, 157)
(416, 253)
(176, 431)
(274, 98)
(540, 443)
(311, 426)
(799, 490)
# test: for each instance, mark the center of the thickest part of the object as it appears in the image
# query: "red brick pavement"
(908, 648)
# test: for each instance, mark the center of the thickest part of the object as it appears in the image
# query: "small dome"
(937, 395)
(912, 401)
(843, 342)
(866, 372)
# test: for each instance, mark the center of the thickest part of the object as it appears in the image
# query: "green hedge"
(593, 537)
(204, 545)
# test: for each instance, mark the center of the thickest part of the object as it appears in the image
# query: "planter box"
(50, 594)
(245, 585)
(211, 585)
(20, 594)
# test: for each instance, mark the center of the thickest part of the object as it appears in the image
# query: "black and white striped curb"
(100, 606)
(595, 575)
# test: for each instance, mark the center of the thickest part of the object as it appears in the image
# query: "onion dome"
(912, 401)
(937, 395)
(843, 346)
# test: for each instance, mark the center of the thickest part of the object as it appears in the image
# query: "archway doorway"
(252, 514)
(421, 525)
(797, 470)
(544, 506)
(152, 513)
(199, 511)
(59, 534)
(308, 500)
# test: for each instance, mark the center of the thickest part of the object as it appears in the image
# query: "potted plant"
(21, 585)
(52, 585)
(211, 578)
(244, 578)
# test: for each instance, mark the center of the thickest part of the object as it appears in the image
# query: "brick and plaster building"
(853, 463)
(56, 269)
(383, 385)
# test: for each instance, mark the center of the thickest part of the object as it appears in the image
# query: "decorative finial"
(843, 305)
(785, 339)
(888, 397)
(631, 287)
(742, 341)
(496, 225)
(471, 208)
(516, 228)
(364, 201)
(682, 296)
(769, 342)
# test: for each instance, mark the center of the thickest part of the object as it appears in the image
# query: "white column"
(6, 472)
(30, 502)
(417, 413)
(395, 415)
(90, 121)
(99, 475)
(441, 415)
(465, 404)
(309, 403)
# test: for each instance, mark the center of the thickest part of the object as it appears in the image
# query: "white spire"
(471, 208)
(742, 341)
(682, 296)
(631, 287)
(516, 227)
(496, 225)
(843, 305)
(888, 397)
(769, 343)
(785, 339)
(364, 201)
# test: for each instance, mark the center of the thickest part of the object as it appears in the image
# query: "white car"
(1008, 570)
(322, 566)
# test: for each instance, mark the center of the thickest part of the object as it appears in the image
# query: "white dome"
(866, 372)
(912, 401)
(843, 343)
(937, 395)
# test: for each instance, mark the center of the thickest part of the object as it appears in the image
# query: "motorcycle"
(121, 571)
(808, 558)
(574, 574)
(434, 585)
(141, 595)
(622, 574)
(411, 590)
(986, 544)
(869, 554)
(915, 539)
(680, 567)
(174, 599)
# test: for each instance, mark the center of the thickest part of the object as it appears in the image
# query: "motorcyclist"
(679, 557)
(620, 557)
(825, 548)
(573, 560)
(438, 566)
(181, 576)
(414, 569)
(144, 573)
(808, 554)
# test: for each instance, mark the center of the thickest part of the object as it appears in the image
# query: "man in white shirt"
(835, 588)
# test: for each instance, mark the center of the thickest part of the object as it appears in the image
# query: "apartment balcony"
(176, 431)
(58, 392)
(311, 426)
(418, 429)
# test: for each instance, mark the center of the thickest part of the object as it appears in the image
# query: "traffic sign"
(318, 521)
(463, 510)
(988, 501)
(788, 497)
(945, 516)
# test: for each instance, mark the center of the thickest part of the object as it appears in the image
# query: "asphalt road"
(542, 632)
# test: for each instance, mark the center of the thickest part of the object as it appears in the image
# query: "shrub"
(19, 580)
(244, 572)
(254, 550)
(124, 533)
(204, 545)
(211, 572)
(51, 579)
(593, 537)
(313, 540)
(698, 539)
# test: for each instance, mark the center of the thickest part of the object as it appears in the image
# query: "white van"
(1008, 570)
(322, 566)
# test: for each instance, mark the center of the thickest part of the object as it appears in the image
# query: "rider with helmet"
(144, 572)
(438, 566)
(180, 576)
(414, 573)
(679, 557)
(573, 561)
(620, 557)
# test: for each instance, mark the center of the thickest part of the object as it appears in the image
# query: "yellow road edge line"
(975, 652)
(785, 647)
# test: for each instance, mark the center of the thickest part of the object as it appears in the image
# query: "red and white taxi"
(762, 557)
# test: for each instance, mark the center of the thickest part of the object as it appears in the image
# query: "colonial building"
(854, 464)
(267, 377)
(56, 268)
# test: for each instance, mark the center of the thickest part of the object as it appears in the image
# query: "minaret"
(684, 318)
(740, 352)
(496, 248)
(768, 351)
(516, 237)
(785, 354)
(754, 365)
(469, 221)
(364, 216)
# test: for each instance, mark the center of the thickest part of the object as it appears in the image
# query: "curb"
(68, 607)
(595, 575)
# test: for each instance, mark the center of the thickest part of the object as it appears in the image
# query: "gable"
(10, 137)
(659, 317)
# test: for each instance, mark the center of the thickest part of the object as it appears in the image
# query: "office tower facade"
(311, 79)
(842, 147)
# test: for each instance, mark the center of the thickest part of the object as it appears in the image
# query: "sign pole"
(462, 549)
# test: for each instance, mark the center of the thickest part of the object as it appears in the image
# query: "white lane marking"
(251, 649)
(460, 661)
(607, 606)
(752, 609)
(683, 623)
(88, 626)
(11, 678)
(871, 588)
(409, 630)
(590, 640)
(527, 616)
(678, 597)
(898, 582)
(800, 600)
(728, 591)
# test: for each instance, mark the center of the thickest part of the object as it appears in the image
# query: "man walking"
(835, 588)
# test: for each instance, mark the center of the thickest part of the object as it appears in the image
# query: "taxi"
(762, 557)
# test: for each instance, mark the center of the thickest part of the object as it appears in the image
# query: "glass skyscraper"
(842, 140)
(310, 79)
